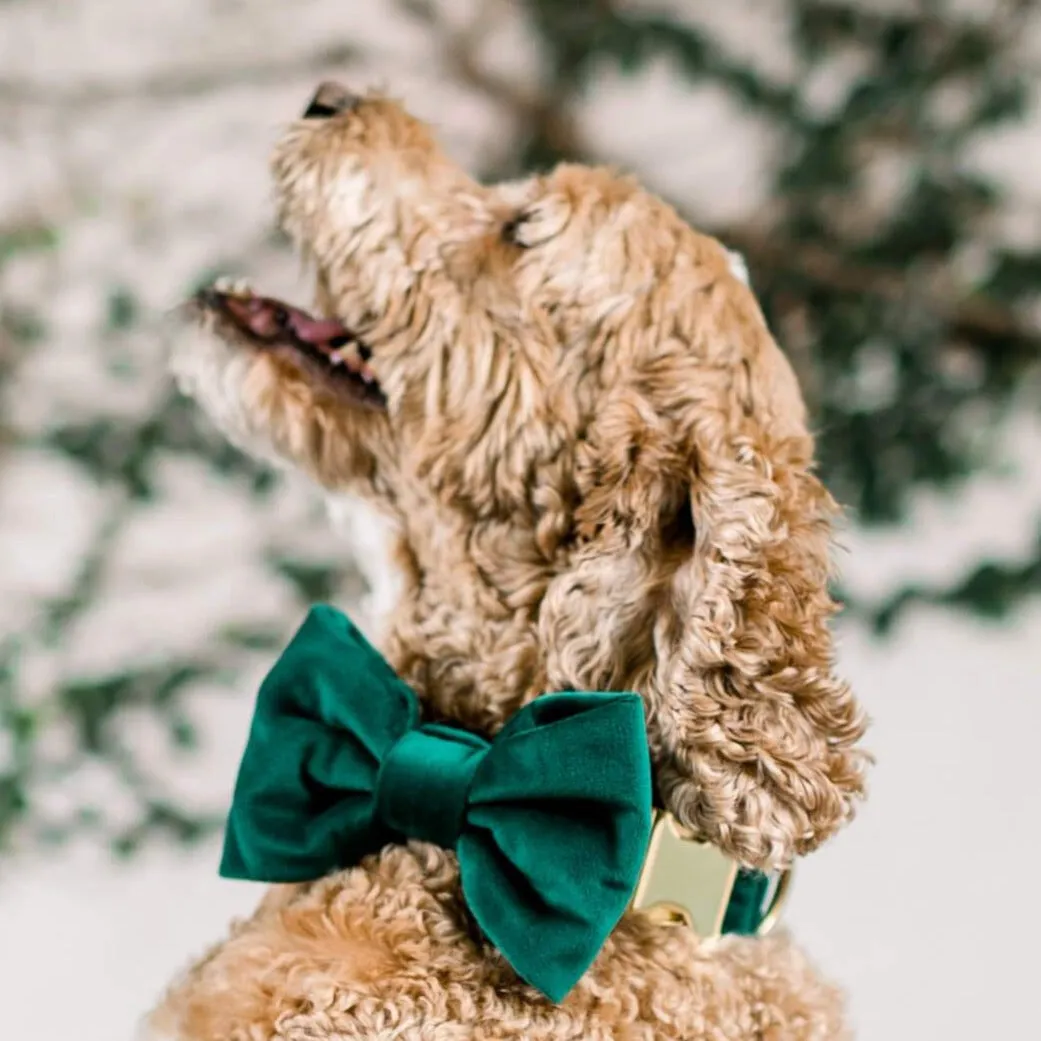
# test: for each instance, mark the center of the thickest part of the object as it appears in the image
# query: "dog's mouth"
(322, 344)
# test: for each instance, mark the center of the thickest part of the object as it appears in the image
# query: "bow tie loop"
(424, 783)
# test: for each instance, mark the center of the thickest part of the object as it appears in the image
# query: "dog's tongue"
(273, 321)
(319, 332)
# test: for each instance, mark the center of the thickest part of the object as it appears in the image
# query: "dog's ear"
(701, 580)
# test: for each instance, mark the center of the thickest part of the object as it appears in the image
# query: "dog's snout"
(330, 99)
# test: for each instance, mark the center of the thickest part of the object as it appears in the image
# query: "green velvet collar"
(550, 820)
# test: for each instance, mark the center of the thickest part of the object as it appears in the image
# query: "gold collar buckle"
(688, 882)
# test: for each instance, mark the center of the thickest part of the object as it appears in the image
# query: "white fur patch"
(370, 534)
(738, 267)
(214, 374)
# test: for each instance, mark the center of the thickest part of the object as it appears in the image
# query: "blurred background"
(877, 162)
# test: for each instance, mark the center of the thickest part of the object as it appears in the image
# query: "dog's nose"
(329, 100)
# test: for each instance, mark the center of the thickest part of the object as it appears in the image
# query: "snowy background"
(135, 551)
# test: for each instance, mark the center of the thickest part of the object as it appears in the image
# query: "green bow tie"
(550, 821)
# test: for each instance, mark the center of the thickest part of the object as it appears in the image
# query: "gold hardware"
(688, 882)
(780, 898)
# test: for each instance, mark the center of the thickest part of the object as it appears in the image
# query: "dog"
(597, 467)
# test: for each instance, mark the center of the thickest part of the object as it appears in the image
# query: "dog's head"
(595, 454)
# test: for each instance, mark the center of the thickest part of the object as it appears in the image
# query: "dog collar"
(551, 820)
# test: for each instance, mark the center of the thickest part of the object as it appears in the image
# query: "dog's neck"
(422, 618)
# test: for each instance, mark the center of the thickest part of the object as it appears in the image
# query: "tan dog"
(598, 465)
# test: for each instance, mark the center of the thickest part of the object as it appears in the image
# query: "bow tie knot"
(550, 820)
(424, 783)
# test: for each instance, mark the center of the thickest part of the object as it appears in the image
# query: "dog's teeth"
(348, 357)
(232, 286)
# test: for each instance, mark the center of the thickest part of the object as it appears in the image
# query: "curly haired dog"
(597, 463)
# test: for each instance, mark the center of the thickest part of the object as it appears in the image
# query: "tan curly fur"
(598, 466)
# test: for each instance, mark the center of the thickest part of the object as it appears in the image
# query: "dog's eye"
(511, 230)
(538, 222)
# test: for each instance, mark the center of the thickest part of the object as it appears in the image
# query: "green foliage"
(991, 590)
(911, 323)
(124, 452)
(123, 309)
(315, 581)
(21, 326)
(24, 238)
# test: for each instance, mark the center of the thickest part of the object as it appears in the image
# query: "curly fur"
(597, 463)
(383, 951)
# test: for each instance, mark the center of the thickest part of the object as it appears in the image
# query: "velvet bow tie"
(550, 820)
